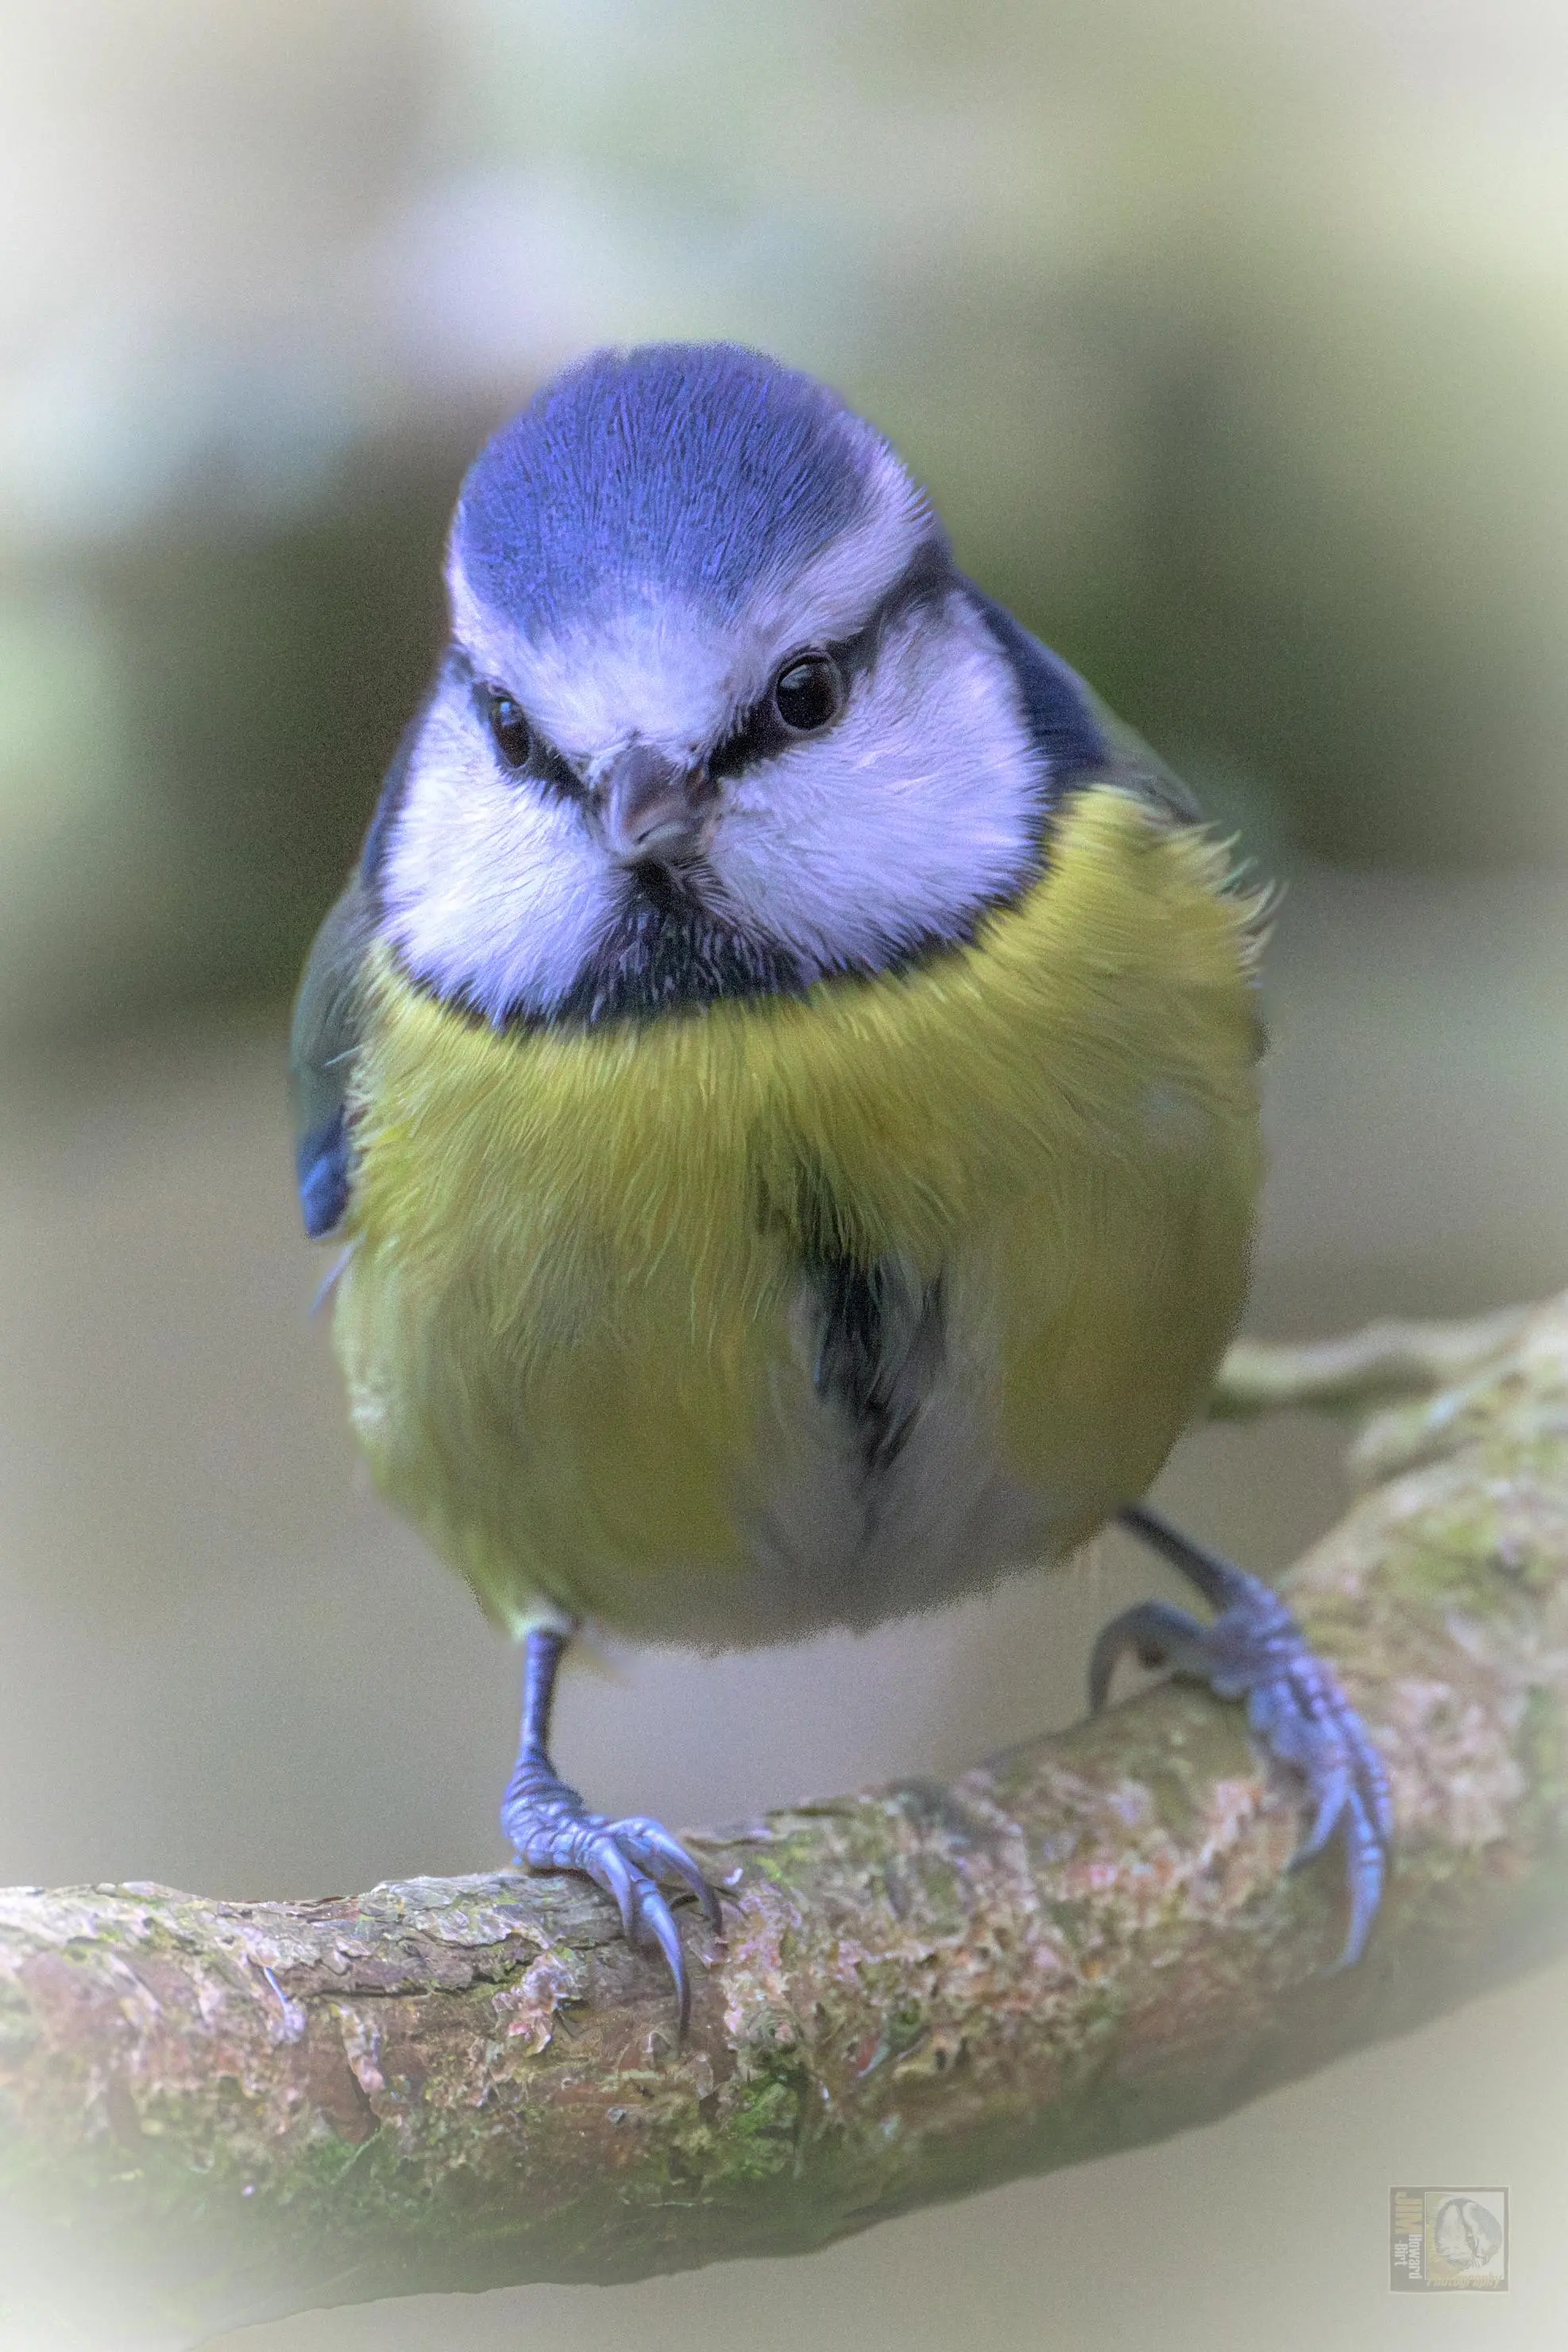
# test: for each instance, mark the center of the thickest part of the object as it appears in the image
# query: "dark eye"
(514, 737)
(808, 692)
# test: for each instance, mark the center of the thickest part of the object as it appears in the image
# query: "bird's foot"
(551, 1829)
(1254, 1649)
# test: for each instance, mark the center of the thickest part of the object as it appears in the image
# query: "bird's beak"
(651, 809)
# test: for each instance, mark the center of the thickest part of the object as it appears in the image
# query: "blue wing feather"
(321, 1166)
(324, 1039)
(321, 1057)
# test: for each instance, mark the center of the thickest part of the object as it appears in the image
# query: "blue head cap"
(638, 563)
(699, 470)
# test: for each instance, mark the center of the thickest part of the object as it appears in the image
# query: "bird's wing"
(1083, 742)
(325, 1036)
(321, 1050)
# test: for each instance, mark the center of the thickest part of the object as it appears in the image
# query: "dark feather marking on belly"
(879, 1327)
(879, 1350)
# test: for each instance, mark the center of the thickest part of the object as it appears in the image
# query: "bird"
(783, 1074)
(1467, 2234)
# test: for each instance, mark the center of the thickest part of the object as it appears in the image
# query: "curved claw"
(551, 1829)
(1254, 1650)
(1332, 1797)
(657, 1915)
(655, 1845)
(1153, 1631)
(600, 1859)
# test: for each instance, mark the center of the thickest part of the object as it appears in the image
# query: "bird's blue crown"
(701, 469)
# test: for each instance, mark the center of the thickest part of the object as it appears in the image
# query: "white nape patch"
(489, 889)
(672, 673)
(922, 805)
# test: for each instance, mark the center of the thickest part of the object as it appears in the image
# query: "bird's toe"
(1254, 1649)
(551, 1829)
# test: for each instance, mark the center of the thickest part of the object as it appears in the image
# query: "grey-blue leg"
(1254, 1650)
(551, 1829)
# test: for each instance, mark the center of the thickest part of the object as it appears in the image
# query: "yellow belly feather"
(569, 1324)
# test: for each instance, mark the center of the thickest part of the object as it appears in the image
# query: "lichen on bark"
(236, 2110)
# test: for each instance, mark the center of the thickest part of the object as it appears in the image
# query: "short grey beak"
(651, 809)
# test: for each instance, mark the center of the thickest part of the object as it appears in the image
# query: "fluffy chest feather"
(589, 1323)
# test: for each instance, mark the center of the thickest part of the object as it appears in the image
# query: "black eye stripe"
(523, 749)
(759, 732)
(770, 726)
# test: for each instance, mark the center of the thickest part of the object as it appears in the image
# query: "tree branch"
(239, 2110)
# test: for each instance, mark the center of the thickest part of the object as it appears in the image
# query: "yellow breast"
(571, 1324)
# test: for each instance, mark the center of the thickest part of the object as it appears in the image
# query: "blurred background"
(1232, 338)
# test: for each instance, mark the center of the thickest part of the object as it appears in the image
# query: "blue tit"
(784, 1069)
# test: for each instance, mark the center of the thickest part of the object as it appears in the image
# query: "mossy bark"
(230, 2110)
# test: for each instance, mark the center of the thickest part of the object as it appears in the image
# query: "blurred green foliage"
(267, 677)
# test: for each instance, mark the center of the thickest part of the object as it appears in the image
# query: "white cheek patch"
(923, 805)
(488, 890)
